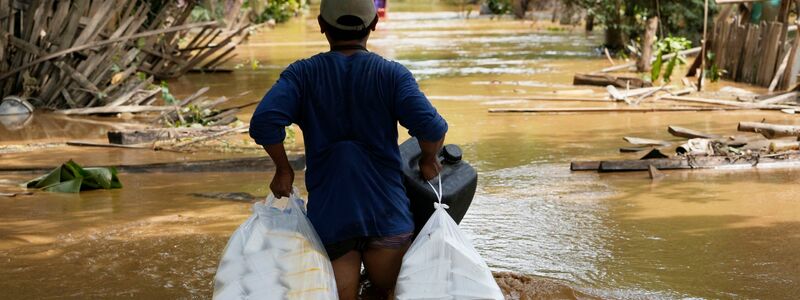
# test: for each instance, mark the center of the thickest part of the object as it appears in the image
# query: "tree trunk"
(615, 39)
(519, 7)
(556, 7)
(589, 22)
(644, 65)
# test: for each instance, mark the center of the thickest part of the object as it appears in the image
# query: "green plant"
(279, 10)
(670, 45)
(499, 7)
(714, 73)
(72, 178)
(168, 97)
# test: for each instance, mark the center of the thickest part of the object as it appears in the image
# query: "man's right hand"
(429, 168)
(281, 185)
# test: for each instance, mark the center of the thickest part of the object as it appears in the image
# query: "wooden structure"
(763, 54)
(109, 53)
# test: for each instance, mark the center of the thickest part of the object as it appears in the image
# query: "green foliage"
(677, 17)
(72, 178)
(670, 45)
(168, 97)
(499, 7)
(201, 14)
(193, 115)
(279, 10)
(714, 73)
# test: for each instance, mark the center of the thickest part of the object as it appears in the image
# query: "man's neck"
(349, 47)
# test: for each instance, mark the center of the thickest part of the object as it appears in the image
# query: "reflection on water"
(705, 234)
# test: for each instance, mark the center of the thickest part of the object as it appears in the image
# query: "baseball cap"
(351, 15)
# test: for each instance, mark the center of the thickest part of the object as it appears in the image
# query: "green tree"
(625, 20)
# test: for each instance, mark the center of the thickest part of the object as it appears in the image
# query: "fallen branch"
(769, 130)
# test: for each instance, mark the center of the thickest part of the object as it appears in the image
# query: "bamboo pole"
(704, 49)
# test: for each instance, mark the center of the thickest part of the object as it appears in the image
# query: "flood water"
(731, 234)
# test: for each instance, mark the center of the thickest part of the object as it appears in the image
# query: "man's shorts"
(339, 249)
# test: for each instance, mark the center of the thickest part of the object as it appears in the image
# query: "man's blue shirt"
(348, 108)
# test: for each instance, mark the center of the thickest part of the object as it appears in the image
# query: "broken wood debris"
(104, 53)
(708, 151)
(606, 80)
(142, 136)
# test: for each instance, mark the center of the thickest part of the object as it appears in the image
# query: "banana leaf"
(72, 178)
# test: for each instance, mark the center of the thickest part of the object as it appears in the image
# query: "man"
(348, 102)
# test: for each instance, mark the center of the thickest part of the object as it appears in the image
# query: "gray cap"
(332, 10)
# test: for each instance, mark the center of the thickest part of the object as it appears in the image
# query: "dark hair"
(348, 35)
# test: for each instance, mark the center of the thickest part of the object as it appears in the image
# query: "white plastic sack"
(442, 264)
(275, 254)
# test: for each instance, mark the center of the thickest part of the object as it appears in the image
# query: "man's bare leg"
(347, 270)
(383, 266)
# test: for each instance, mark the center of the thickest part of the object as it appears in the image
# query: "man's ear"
(374, 24)
(322, 24)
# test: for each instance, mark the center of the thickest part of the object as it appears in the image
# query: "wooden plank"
(114, 110)
(689, 133)
(749, 105)
(584, 166)
(193, 141)
(709, 162)
(646, 142)
(611, 109)
(792, 66)
(127, 96)
(749, 57)
(141, 136)
(771, 51)
(779, 74)
(105, 145)
(605, 80)
(785, 97)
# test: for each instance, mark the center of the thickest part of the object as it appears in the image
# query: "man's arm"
(278, 109)
(429, 162)
(416, 113)
(281, 185)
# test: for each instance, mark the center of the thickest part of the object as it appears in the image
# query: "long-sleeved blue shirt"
(348, 108)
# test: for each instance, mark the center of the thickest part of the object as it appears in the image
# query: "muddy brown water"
(699, 234)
